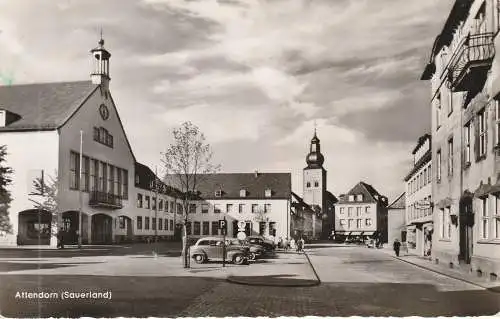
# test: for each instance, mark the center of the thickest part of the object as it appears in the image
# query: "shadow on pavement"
(273, 280)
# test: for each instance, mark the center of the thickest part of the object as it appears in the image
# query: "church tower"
(100, 72)
(314, 176)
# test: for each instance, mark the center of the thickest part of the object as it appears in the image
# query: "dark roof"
(370, 194)
(43, 106)
(147, 178)
(231, 183)
(399, 203)
(459, 12)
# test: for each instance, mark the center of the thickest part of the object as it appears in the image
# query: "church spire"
(315, 159)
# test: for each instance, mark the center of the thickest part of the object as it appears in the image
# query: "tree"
(186, 161)
(5, 198)
(46, 189)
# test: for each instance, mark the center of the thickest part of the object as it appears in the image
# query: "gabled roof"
(370, 194)
(43, 106)
(146, 178)
(399, 203)
(255, 185)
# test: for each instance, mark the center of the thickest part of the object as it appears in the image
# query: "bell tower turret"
(100, 72)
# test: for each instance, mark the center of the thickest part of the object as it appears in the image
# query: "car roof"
(210, 238)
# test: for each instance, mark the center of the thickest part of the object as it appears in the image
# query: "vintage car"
(258, 240)
(211, 248)
(255, 250)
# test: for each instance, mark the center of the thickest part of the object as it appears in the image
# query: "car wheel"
(252, 256)
(199, 259)
(238, 259)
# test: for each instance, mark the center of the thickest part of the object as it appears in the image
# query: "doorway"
(466, 223)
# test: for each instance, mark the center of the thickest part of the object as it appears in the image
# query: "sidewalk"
(285, 270)
(456, 273)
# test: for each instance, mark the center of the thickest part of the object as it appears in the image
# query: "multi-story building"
(464, 75)
(362, 213)
(419, 220)
(254, 203)
(306, 222)
(396, 220)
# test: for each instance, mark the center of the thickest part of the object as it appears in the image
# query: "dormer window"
(243, 193)
(137, 178)
(268, 192)
(218, 193)
(351, 198)
(359, 198)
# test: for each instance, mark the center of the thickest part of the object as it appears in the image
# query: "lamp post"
(80, 199)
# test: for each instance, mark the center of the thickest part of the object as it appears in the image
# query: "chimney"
(256, 172)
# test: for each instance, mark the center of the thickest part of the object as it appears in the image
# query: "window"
(153, 206)
(102, 136)
(368, 222)
(146, 223)
(160, 223)
(447, 222)
(496, 217)
(111, 176)
(255, 208)
(204, 208)
(450, 157)
(367, 209)
(482, 132)
(350, 211)
(342, 222)
(358, 211)
(241, 208)
(153, 224)
(341, 210)
(148, 203)
(215, 228)
(166, 205)
(119, 186)
(358, 223)
(351, 198)
(172, 206)
(196, 228)
(139, 200)
(124, 184)
(192, 208)
(218, 193)
(243, 193)
(484, 218)
(74, 168)
(217, 209)
(160, 204)
(429, 174)
(438, 165)
(188, 228)
(267, 208)
(171, 224)
(497, 123)
(139, 222)
(438, 111)
(229, 208)
(262, 228)
(308, 184)
(268, 192)
(180, 210)
(206, 228)
(359, 198)
(351, 223)
(467, 143)
(85, 173)
(93, 176)
(316, 184)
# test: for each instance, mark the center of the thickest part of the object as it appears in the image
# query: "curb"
(312, 267)
(493, 289)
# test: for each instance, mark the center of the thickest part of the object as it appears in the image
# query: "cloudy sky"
(254, 75)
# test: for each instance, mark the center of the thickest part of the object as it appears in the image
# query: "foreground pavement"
(354, 281)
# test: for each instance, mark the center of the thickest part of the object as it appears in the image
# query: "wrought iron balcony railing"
(471, 61)
(102, 199)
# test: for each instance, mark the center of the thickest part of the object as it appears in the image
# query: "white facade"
(355, 218)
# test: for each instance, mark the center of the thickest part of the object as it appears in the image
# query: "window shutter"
(476, 137)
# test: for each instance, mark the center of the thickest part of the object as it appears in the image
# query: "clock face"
(103, 110)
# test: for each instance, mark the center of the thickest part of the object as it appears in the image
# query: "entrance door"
(70, 226)
(101, 229)
(235, 228)
(466, 223)
(248, 228)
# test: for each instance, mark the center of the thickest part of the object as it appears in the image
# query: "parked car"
(266, 243)
(255, 250)
(211, 248)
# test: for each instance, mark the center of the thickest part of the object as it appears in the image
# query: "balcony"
(470, 63)
(105, 200)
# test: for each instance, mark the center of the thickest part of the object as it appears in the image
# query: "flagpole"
(80, 193)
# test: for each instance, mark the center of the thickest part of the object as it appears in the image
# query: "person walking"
(285, 244)
(396, 246)
(60, 238)
(300, 245)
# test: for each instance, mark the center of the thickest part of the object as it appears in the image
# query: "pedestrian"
(293, 243)
(285, 244)
(280, 242)
(300, 245)
(396, 246)
(60, 238)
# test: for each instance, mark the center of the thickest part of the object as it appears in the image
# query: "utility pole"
(80, 199)
(157, 200)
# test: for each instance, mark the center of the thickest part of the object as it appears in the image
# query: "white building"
(419, 223)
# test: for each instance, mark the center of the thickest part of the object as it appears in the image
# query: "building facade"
(464, 76)
(361, 213)
(419, 217)
(396, 220)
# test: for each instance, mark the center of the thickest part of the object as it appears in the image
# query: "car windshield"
(233, 242)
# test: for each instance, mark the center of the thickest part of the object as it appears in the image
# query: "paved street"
(354, 281)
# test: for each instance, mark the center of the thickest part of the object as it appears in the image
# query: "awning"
(355, 233)
(369, 233)
(485, 189)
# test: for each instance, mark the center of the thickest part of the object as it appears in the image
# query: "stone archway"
(34, 227)
(101, 229)
(125, 232)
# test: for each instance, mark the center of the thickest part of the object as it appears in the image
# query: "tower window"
(308, 184)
